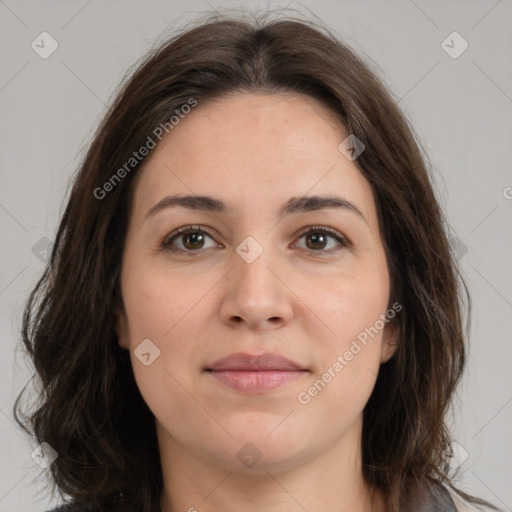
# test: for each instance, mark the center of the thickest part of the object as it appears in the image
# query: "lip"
(255, 373)
(251, 362)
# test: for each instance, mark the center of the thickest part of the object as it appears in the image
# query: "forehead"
(253, 151)
(285, 124)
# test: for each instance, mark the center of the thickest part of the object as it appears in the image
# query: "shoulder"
(72, 508)
(462, 505)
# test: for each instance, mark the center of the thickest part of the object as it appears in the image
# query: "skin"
(302, 299)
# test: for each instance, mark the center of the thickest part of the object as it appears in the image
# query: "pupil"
(315, 237)
(194, 237)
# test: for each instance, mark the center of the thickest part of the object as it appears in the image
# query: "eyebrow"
(294, 205)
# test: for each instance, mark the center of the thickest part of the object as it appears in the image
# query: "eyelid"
(325, 229)
(334, 233)
(182, 230)
(343, 241)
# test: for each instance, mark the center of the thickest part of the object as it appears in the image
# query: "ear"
(389, 341)
(121, 327)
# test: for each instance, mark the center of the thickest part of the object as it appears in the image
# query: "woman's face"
(255, 275)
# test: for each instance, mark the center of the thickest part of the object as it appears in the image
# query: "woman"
(251, 302)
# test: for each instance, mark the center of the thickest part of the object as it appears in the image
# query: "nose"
(256, 294)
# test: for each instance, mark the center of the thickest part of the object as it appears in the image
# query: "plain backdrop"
(460, 105)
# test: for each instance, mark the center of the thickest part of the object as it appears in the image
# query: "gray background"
(460, 108)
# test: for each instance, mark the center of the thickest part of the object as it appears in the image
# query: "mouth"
(255, 373)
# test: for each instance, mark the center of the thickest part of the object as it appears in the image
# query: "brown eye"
(317, 239)
(190, 239)
(193, 240)
(187, 239)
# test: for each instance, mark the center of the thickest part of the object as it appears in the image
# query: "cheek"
(162, 340)
(162, 318)
(156, 303)
(348, 359)
(350, 355)
(354, 308)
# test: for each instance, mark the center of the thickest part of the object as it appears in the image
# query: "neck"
(331, 481)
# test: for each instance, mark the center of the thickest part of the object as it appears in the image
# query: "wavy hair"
(89, 408)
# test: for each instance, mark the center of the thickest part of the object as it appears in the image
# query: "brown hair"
(90, 409)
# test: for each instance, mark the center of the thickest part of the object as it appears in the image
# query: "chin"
(257, 448)
(257, 459)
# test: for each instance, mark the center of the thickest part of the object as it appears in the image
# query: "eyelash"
(169, 239)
